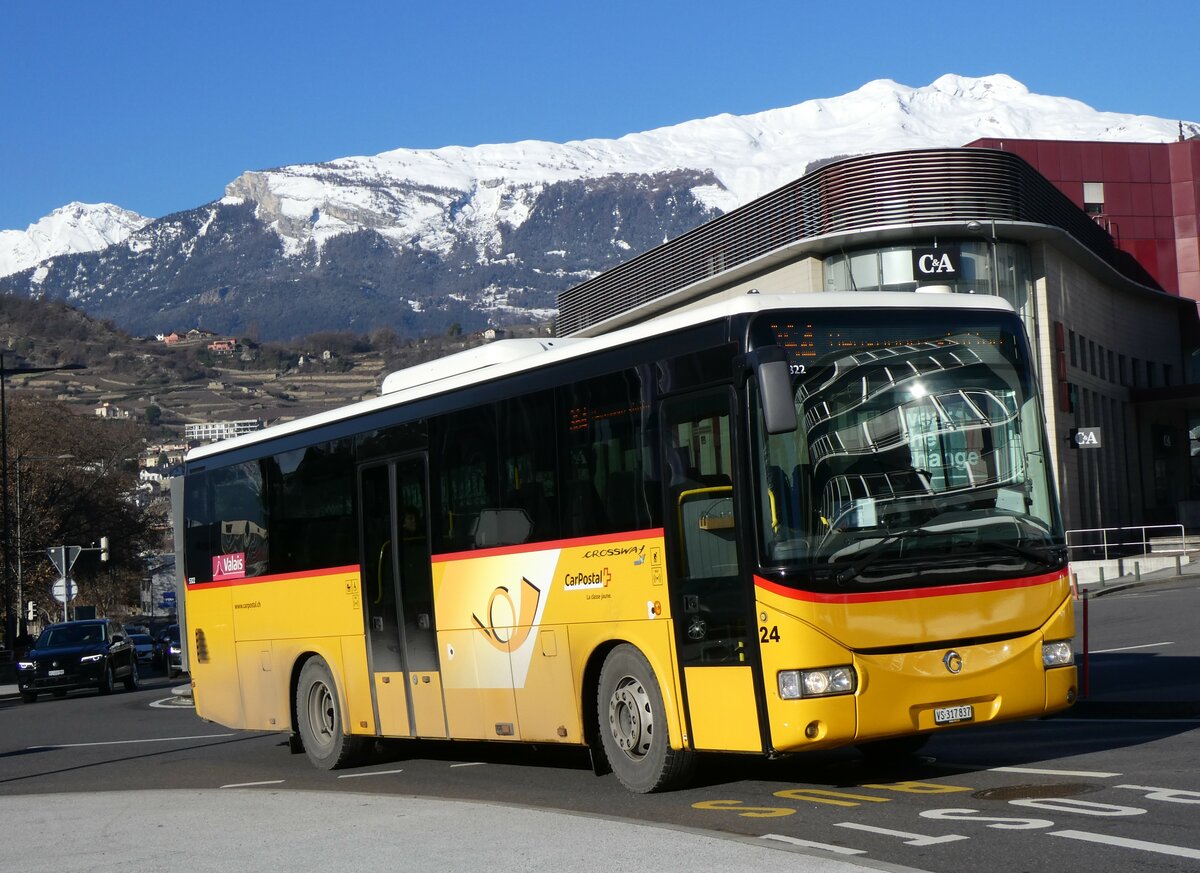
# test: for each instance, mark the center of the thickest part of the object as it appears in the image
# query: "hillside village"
(237, 395)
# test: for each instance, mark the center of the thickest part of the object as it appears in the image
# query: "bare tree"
(77, 483)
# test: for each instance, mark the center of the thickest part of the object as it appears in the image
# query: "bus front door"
(398, 588)
(710, 597)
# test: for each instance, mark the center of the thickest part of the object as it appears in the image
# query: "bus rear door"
(398, 589)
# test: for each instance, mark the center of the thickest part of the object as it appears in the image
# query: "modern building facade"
(211, 431)
(1114, 348)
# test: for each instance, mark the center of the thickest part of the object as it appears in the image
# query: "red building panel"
(1140, 157)
(1183, 226)
(1188, 253)
(1137, 227)
(1160, 166)
(1115, 162)
(1118, 199)
(1141, 200)
(1185, 162)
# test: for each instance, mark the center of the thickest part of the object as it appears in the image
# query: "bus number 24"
(769, 634)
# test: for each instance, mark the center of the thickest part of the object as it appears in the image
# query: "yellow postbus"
(765, 525)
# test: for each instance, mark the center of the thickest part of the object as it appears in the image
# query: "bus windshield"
(919, 457)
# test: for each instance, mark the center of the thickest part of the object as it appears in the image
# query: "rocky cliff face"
(247, 265)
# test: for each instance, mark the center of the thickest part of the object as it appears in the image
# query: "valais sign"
(232, 566)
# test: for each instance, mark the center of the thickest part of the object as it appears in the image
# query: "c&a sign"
(943, 262)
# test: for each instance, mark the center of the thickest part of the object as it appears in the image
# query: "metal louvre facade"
(857, 194)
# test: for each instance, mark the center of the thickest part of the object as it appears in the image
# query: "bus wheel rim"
(631, 717)
(321, 715)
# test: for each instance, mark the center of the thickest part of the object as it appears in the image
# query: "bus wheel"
(633, 725)
(893, 748)
(319, 718)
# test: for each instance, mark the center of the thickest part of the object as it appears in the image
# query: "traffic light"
(103, 548)
(30, 610)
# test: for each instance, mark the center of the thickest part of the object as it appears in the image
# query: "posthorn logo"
(953, 661)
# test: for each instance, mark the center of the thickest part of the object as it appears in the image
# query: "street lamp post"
(5, 372)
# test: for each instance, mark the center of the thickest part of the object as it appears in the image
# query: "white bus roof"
(503, 358)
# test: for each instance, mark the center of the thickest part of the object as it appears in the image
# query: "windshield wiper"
(855, 565)
(858, 563)
(1046, 556)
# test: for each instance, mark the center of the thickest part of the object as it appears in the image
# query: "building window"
(1071, 343)
(1093, 198)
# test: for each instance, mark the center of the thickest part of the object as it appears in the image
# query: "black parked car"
(172, 651)
(78, 654)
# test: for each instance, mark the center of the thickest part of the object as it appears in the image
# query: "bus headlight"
(795, 684)
(1057, 654)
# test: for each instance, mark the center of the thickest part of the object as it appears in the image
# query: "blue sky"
(155, 104)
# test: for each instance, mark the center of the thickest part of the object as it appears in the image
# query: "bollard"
(1137, 571)
(1178, 565)
(1101, 577)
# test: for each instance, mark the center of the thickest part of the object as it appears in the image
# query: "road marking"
(1098, 774)
(1129, 648)
(909, 839)
(253, 784)
(811, 844)
(469, 764)
(372, 773)
(126, 742)
(1167, 795)
(173, 702)
(1143, 845)
(833, 798)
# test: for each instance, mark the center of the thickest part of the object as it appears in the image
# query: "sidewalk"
(213, 831)
(1187, 573)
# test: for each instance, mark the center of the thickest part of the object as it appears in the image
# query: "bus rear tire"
(632, 724)
(319, 719)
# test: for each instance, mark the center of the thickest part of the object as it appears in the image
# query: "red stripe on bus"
(275, 577)
(908, 593)
(522, 548)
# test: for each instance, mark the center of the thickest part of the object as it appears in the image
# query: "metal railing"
(1104, 543)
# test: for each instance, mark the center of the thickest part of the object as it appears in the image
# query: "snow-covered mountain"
(416, 239)
(489, 186)
(68, 230)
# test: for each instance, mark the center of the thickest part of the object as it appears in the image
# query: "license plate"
(952, 714)
(55, 672)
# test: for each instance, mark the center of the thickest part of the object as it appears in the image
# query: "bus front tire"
(319, 719)
(633, 725)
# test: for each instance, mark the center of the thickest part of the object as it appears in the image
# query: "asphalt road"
(1111, 785)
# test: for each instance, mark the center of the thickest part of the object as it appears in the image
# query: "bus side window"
(604, 475)
(466, 468)
(528, 454)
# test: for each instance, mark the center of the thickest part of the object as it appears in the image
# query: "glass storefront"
(972, 266)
